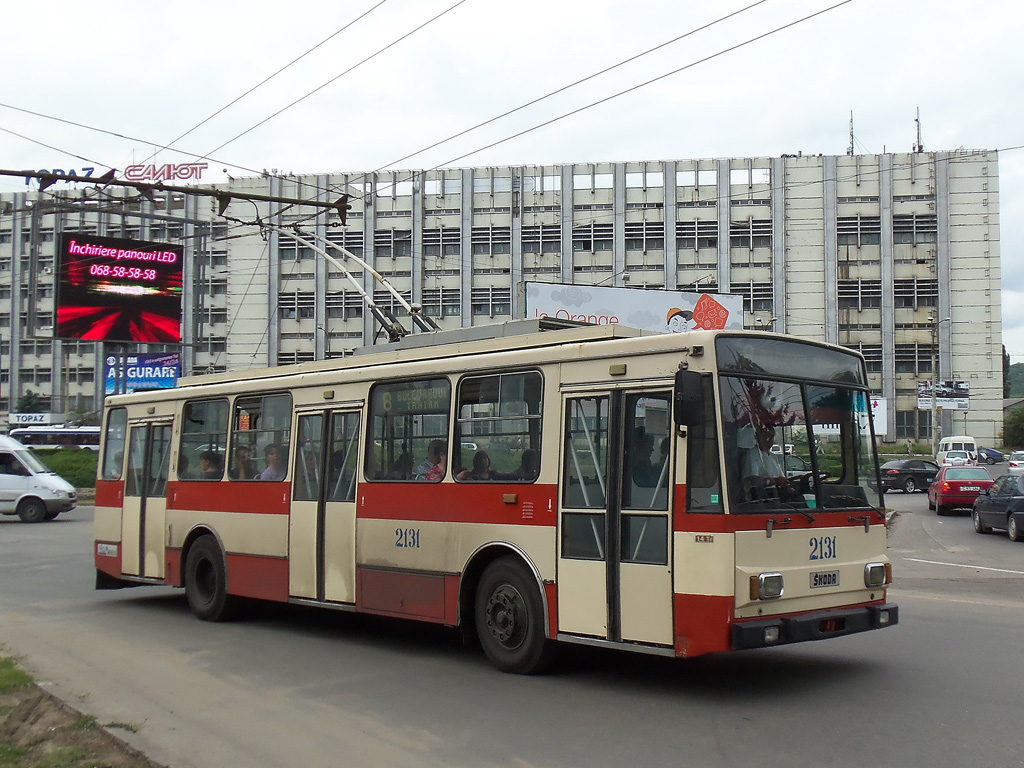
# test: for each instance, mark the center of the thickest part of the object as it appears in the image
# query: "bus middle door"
(614, 577)
(322, 527)
(145, 500)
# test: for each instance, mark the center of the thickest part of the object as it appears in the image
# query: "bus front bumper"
(818, 625)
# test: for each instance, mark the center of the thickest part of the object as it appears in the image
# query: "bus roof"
(515, 334)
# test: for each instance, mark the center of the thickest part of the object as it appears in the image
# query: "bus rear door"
(614, 577)
(145, 500)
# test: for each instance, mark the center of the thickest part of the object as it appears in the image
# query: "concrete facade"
(874, 252)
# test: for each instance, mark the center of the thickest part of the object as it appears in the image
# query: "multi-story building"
(896, 255)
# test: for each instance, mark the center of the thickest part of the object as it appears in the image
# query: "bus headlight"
(766, 586)
(877, 574)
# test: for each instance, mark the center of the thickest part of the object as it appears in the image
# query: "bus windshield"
(796, 445)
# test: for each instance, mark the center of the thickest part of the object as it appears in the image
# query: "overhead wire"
(569, 85)
(267, 79)
(342, 74)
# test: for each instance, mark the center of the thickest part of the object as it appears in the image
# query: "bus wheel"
(510, 619)
(32, 511)
(206, 581)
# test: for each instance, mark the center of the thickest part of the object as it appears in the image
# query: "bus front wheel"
(206, 581)
(510, 619)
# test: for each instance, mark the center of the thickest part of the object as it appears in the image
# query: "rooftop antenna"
(849, 150)
(919, 147)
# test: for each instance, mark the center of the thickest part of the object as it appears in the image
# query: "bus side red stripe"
(458, 503)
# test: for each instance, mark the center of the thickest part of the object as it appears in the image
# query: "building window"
(916, 292)
(593, 237)
(859, 230)
(290, 250)
(695, 235)
(915, 229)
(860, 294)
(392, 243)
(757, 297)
(913, 425)
(914, 359)
(545, 238)
(750, 234)
(492, 241)
(645, 236)
(352, 241)
(491, 301)
(442, 302)
(446, 241)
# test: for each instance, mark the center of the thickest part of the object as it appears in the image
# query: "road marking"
(961, 565)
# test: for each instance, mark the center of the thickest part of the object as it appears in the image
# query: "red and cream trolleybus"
(593, 484)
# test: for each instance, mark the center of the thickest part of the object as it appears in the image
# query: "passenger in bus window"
(211, 465)
(276, 469)
(645, 473)
(437, 472)
(183, 468)
(243, 468)
(481, 469)
(529, 466)
(436, 451)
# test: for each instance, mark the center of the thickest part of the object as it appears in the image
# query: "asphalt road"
(292, 686)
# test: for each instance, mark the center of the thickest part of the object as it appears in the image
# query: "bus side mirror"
(689, 399)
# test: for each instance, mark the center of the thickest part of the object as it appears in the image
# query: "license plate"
(821, 579)
(970, 487)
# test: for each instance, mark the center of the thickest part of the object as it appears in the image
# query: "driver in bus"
(764, 474)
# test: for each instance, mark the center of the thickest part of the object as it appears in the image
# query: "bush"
(77, 466)
(1013, 427)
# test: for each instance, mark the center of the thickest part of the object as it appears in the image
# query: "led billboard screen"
(110, 289)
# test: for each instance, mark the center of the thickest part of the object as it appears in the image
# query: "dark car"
(1002, 507)
(908, 475)
(990, 456)
(957, 488)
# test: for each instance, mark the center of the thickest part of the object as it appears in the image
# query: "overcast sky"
(150, 72)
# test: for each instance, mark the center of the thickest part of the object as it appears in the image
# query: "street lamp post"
(935, 373)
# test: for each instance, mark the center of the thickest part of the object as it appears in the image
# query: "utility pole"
(935, 381)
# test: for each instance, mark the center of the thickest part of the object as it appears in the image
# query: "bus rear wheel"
(510, 619)
(206, 581)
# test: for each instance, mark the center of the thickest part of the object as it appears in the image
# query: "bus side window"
(499, 426)
(263, 423)
(114, 441)
(406, 418)
(204, 440)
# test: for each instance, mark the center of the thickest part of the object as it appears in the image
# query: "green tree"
(1013, 427)
(31, 402)
(1006, 373)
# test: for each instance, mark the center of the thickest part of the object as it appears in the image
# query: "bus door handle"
(772, 522)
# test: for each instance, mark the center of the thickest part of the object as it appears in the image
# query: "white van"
(957, 443)
(27, 488)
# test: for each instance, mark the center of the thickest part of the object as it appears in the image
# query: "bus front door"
(322, 528)
(145, 500)
(614, 573)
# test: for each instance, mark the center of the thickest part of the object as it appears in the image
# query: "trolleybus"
(596, 485)
(58, 436)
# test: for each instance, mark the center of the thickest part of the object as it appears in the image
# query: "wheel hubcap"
(506, 617)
